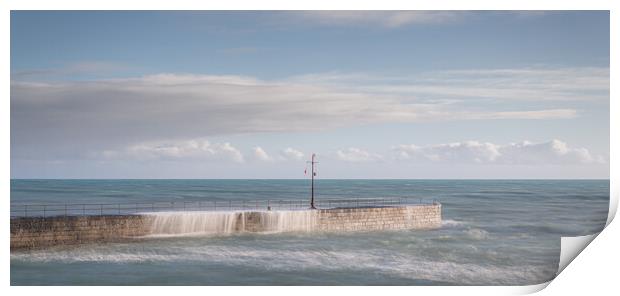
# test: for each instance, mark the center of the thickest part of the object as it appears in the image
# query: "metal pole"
(100, 210)
(44, 211)
(312, 200)
(83, 210)
(26, 211)
(65, 210)
(312, 182)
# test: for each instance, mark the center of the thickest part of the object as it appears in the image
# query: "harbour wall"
(38, 232)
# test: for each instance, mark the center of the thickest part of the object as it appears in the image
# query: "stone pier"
(38, 232)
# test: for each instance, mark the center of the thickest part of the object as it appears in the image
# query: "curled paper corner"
(531, 289)
(571, 247)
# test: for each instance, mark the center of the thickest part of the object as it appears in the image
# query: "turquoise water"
(495, 232)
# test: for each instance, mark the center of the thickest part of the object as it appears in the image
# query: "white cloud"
(386, 19)
(172, 106)
(551, 152)
(260, 154)
(207, 104)
(194, 149)
(353, 154)
(473, 152)
(97, 68)
(537, 114)
(169, 106)
(518, 84)
(170, 150)
(292, 154)
(554, 151)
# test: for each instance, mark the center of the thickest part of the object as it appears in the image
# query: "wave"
(377, 261)
(451, 223)
(477, 233)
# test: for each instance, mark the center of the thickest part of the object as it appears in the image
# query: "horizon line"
(421, 179)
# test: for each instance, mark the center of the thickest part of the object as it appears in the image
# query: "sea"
(494, 232)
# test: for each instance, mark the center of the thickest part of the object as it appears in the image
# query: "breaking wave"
(376, 261)
(451, 223)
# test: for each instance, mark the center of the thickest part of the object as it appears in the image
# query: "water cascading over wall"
(214, 223)
(345, 219)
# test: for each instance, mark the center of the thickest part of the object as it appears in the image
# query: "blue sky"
(392, 94)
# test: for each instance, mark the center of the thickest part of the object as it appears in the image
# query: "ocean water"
(495, 232)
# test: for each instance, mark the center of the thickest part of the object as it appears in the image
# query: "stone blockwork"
(383, 218)
(27, 233)
(57, 231)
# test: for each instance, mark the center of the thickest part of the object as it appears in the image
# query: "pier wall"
(387, 218)
(37, 232)
(27, 233)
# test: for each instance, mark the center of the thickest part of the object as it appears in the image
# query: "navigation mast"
(312, 182)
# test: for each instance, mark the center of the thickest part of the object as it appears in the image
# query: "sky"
(245, 94)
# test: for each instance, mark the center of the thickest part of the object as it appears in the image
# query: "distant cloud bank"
(554, 152)
(177, 150)
(353, 154)
(523, 153)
